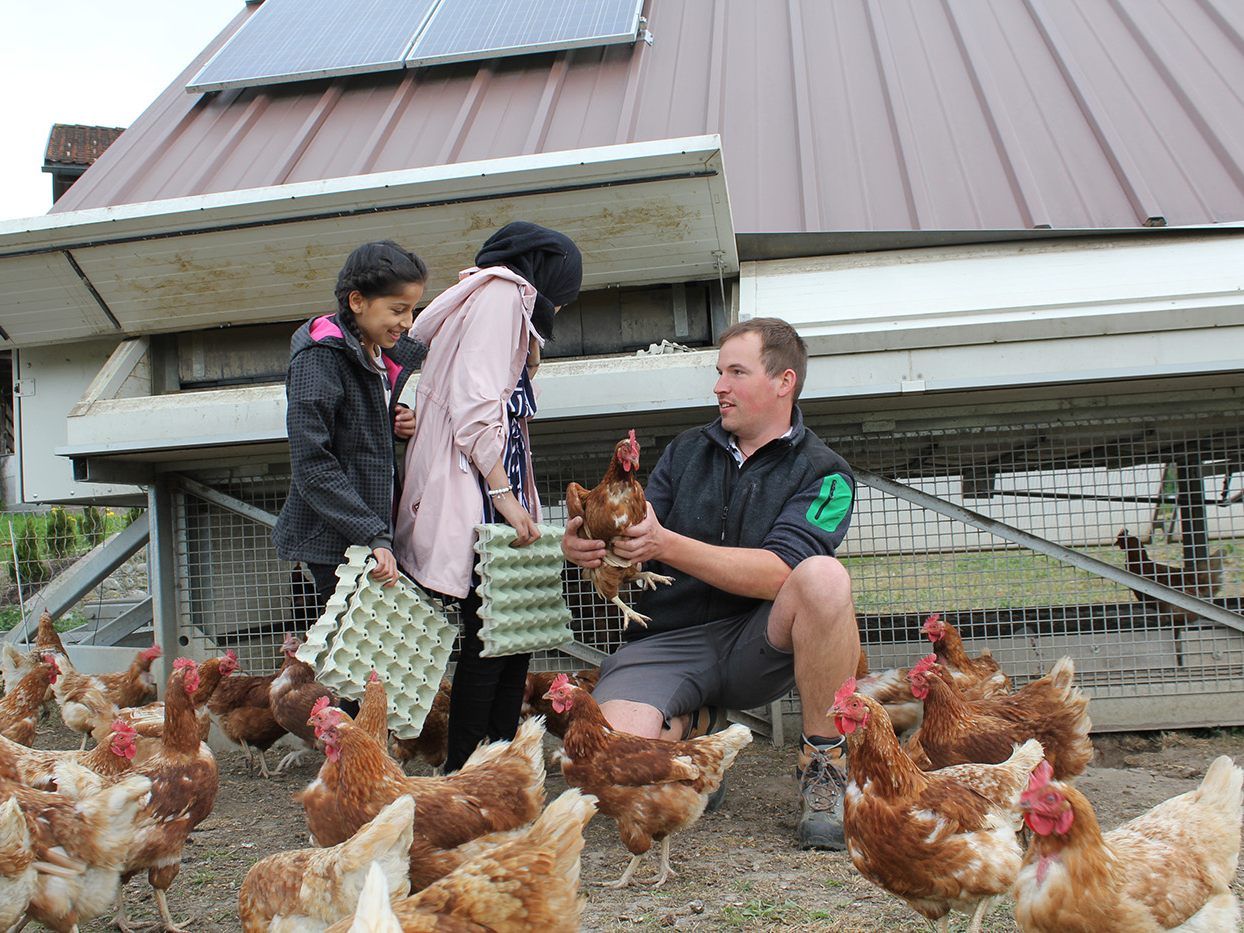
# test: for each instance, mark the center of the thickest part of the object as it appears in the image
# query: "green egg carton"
(523, 608)
(397, 631)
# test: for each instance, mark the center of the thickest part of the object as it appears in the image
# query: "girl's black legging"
(487, 695)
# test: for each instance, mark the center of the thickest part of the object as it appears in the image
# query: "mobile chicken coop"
(1024, 313)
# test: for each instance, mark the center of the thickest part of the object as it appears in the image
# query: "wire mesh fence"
(1176, 484)
(38, 545)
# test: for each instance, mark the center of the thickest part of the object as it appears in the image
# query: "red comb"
(560, 680)
(320, 705)
(845, 691)
(230, 653)
(1041, 775)
(925, 664)
(152, 652)
(182, 664)
(121, 727)
(372, 678)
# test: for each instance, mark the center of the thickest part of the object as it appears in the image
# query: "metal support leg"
(161, 561)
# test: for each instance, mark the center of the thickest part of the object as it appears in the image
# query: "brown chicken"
(14, 665)
(241, 708)
(891, 689)
(79, 847)
(939, 841)
(529, 882)
(61, 771)
(135, 686)
(614, 505)
(83, 700)
(957, 729)
(291, 698)
(184, 781)
(1203, 582)
(48, 639)
(321, 886)
(1170, 868)
(18, 872)
(20, 708)
(652, 788)
(977, 677)
(500, 787)
(431, 745)
(148, 721)
(538, 684)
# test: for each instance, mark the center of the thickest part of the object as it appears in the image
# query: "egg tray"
(397, 631)
(523, 607)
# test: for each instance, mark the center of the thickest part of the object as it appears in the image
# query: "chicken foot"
(625, 880)
(166, 918)
(983, 906)
(646, 580)
(667, 870)
(664, 874)
(263, 764)
(292, 759)
(629, 614)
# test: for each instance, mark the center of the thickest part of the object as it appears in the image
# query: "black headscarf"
(547, 259)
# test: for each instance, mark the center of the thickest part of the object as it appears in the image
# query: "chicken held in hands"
(940, 841)
(311, 887)
(1168, 869)
(20, 707)
(615, 504)
(651, 788)
(958, 729)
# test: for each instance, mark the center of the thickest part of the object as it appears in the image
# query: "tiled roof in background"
(73, 144)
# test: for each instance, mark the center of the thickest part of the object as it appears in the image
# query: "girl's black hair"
(374, 270)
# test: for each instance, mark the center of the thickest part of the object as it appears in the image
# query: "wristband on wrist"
(497, 493)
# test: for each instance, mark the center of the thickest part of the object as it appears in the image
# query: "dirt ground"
(739, 868)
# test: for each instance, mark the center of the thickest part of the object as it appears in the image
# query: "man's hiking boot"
(822, 774)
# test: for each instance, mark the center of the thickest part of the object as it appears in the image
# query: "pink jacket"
(477, 336)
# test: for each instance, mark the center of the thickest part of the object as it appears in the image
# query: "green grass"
(761, 910)
(11, 615)
(1012, 578)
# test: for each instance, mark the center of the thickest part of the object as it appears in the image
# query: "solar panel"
(462, 30)
(293, 40)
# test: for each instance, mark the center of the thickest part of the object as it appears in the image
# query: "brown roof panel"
(854, 115)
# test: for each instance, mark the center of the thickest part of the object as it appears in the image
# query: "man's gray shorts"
(728, 663)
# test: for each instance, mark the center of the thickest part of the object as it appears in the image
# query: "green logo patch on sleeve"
(832, 503)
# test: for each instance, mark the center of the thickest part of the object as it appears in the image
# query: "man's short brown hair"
(781, 347)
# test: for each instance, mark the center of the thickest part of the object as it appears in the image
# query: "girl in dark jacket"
(346, 372)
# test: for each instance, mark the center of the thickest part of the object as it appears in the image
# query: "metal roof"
(851, 115)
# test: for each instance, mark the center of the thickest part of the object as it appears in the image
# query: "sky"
(94, 62)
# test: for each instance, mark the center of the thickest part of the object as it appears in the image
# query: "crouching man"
(745, 514)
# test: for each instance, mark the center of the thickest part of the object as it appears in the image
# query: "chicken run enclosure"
(1001, 517)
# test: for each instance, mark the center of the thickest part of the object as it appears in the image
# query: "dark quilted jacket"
(341, 444)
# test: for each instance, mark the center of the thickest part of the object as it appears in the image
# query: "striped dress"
(522, 405)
